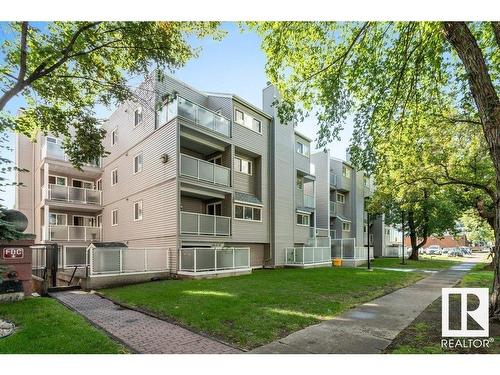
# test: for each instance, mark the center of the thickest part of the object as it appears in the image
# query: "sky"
(236, 64)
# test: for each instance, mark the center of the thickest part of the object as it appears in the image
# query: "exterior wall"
(24, 158)
(446, 241)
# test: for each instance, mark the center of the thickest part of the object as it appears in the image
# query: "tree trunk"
(488, 105)
(413, 237)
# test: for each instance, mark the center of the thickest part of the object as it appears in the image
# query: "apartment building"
(208, 176)
(341, 191)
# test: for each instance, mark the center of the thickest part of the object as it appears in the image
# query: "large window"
(114, 177)
(57, 180)
(114, 137)
(243, 165)
(57, 219)
(340, 198)
(138, 211)
(346, 171)
(303, 219)
(137, 116)
(138, 163)
(302, 148)
(247, 120)
(114, 217)
(300, 183)
(346, 227)
(247, 212)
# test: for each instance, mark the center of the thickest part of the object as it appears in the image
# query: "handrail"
(214, 263)
(216, 230)
(208, 164)
(205, 108)
(47, 193)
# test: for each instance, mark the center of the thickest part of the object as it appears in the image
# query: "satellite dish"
(17, 218)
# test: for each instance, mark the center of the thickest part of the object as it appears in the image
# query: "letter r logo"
(480, 314)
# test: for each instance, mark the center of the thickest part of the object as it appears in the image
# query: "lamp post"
(367, 200)
(403, 235)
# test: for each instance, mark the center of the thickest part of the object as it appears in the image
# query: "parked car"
(434, 250)
(455, 253)
(466, 250)
(446, 250)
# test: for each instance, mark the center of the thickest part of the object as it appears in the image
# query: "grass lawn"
(44, 326)
(251, 310)
(423, 336)
(422, 263)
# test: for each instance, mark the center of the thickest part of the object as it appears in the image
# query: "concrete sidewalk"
(371, 327)
(140, 332)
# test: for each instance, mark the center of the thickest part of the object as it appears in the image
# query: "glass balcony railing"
(72, 233)
(205, 225)
(213, 260)
(72, 194)
(304, 200)
(203, 117)
(54, 150)
(205, 171)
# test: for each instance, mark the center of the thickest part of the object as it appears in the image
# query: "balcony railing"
(195, 260)
(56, 151)
(346, 249)
(72, 194)
(205, 225)
(307, 255)
(304, 200)
(126, 260)
(72, 233)
(205, 171)
(203, 117)
(337, 208)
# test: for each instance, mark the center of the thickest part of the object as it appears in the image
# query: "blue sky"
(236, 64)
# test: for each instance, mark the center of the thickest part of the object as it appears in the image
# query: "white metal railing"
(394, 251)
(204, 170)
(56, 151)
(72, 194)
(307, 255)
(213, 259)
(203, 116)
(202, 224)
(126, 260)
(345, 248)
(304, 200)
(322, 232)
(71, 233)
(337, 208)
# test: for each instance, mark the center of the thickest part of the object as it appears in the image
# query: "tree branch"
(24, 51)
(496, 30)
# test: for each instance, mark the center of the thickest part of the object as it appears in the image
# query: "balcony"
(203, 117)
(69, 233)
(72, 194)
(204, 171)
(205, 225)
(304, 200)
(337, 208)
(198, 260)
(303, 256)
(54, 150)
(333, 179)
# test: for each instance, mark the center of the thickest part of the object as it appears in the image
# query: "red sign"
(13, 253)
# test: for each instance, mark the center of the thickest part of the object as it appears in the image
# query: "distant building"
(445, 241)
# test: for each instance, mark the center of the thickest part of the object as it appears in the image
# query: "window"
(99, 221)
(247, 121)
(340, 198)
(114, 137)
(57, 219)
(300, 183)
(82, 184)
(303, 219)
(83, 221)
(114, 177)
(138, 163)
(137, 116)
(239, 116)
(247, 213)
(346, 227)
(99, 184)
(138, 211)
(57, 180)
(114, 218)
(302, 148)
(243, 165)
(214, 208)
(346, 171)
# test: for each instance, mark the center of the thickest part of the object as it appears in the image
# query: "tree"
(390, 75)
(64, 69)
(476, 228)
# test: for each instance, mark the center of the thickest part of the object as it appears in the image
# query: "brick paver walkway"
(140, 332)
